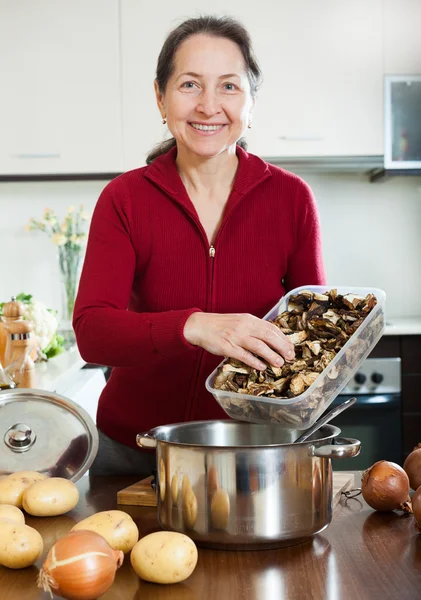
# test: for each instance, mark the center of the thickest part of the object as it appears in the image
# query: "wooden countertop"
(362, 555)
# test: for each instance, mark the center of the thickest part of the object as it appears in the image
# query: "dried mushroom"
(319, 325)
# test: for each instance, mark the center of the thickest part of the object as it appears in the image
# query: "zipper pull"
(212, 252)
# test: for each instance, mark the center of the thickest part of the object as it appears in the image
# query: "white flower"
(75, 239)
(71, 210)
(58, 239)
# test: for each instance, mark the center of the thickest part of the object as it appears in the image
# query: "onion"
(80, 566)
(412, 466)
(416, 507)
(385, 486)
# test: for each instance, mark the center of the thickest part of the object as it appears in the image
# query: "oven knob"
(377, 378)
(360, 378)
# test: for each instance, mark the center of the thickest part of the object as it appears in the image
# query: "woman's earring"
(249, 125)
(164, 121)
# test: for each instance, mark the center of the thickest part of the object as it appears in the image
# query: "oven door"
(375, 420)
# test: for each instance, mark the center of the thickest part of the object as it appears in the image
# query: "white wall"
(371, 235)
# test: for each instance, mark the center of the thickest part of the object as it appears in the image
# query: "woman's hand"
(239, 336)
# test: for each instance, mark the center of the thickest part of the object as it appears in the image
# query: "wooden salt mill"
(21, 367)
(12, 312)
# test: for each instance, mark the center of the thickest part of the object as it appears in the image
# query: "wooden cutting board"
(142, 494)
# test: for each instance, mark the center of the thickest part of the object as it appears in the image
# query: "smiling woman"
(194, 60)
(187, 254)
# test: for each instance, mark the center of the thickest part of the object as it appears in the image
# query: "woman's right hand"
(239, 336)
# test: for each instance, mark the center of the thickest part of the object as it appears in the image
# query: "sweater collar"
(163, 172)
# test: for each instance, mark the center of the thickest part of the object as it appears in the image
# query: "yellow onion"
(385, 486)
(80, 566)
(412, 467)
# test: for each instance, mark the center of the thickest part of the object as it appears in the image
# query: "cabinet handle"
(299, 138)
(36, 155)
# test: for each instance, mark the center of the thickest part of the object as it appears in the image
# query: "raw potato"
(13, 513)
(20, 545)
(116, 526)
(51, 497)
(13, 486)
(164, 557)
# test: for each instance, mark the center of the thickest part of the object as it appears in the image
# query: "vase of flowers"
(68, 237)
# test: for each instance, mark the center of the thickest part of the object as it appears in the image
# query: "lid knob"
(19, 437)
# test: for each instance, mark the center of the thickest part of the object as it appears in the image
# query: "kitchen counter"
(58, 372)
(403, 326)
(362, 555)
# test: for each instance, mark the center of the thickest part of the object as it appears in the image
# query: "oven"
(376, 417)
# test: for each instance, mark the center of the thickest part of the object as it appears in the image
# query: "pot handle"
(341, 448)
(146, 440)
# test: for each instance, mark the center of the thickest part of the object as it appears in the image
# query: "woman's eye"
(190, 85)
(230, 87)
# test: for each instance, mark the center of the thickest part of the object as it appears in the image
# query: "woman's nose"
(209, 103)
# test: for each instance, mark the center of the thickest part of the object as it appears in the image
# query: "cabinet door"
(60, 102)
(322, 64)
(402, 39)
(322, 94)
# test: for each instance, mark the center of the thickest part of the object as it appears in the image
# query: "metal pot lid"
(42, 431)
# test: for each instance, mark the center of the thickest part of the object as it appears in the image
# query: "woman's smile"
(206, 130)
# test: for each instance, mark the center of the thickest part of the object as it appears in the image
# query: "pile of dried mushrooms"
(319, 325)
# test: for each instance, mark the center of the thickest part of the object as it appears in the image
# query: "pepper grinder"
(12, 312)
(21, 367)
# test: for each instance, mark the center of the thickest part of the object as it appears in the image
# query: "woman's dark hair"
(223, 27)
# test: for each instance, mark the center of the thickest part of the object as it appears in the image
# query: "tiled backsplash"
(371, 235)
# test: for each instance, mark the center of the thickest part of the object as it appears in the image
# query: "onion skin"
(412, 466)
(416, 508)
(87, 569)
(385, 487)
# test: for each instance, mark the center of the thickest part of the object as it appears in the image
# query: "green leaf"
(54, 352)
(25, 298)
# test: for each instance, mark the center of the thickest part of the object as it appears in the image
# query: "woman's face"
(207, 101)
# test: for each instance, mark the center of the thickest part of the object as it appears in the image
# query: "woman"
(187, 254)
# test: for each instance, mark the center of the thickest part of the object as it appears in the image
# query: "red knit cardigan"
(148, 267)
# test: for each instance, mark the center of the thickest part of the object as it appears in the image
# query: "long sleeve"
(305, 264)
(106, 332)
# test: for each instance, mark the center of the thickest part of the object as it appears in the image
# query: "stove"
(376, 417)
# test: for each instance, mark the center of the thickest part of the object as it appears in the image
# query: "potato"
(164, 557)
(8, 511)
(116, 526)
(12, 486)
(20, 546)
(53, 496)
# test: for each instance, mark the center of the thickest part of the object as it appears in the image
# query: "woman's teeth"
(206, 127)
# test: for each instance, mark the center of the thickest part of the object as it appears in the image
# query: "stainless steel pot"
(229, 484)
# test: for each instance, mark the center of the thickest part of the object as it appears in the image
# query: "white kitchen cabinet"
(60, 109)
(323, 80)
(402, 39)
(322, 94)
